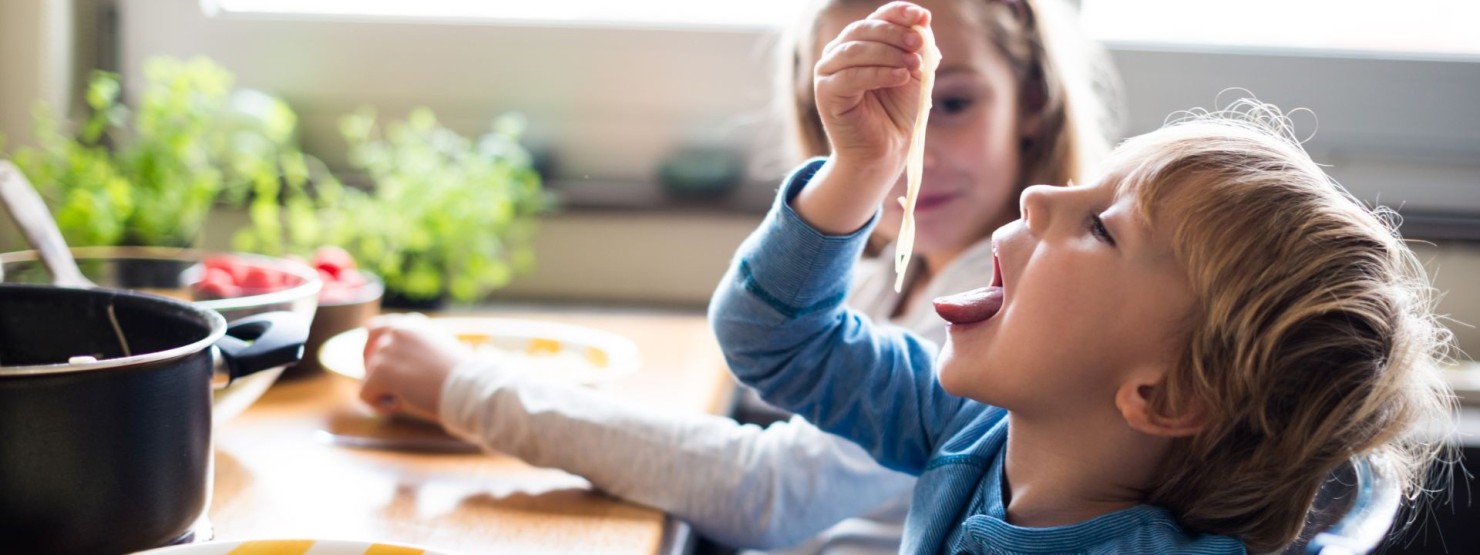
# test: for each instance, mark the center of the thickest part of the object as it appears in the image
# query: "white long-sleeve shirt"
(786, 485)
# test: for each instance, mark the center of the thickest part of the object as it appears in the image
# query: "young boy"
(1172, 358)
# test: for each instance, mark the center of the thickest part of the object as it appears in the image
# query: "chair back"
(1352, 512)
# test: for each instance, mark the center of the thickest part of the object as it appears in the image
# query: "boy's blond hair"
(1313, 339)
(1062, 73)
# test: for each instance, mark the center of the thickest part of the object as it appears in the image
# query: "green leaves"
(151, 175)
(445, 215)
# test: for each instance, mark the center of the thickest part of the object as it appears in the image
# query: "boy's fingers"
(866, 54)
(902, 13)
(873, 30)
(859, 79)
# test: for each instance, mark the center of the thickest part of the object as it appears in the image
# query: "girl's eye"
(1098, 229)
(953, 105)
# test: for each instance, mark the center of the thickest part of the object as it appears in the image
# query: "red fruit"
(218, 275)
(333, 260)
(261, 280)
(231, 265)
(351, 279)
(343, 289)
(217, 284)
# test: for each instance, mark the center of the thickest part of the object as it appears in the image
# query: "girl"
(1172, 358)
(1016, 103)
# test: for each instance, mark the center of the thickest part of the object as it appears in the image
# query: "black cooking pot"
(113, 455)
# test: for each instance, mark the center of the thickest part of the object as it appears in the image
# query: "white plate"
(561, 352)
(292, 547)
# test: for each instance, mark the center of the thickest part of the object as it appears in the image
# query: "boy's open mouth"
(975, 305)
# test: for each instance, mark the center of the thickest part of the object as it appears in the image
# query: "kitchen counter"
(277, 477)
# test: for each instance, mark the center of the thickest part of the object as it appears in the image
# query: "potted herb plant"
(441, 216)
(149, 175)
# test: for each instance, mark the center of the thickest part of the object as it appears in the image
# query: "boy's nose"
(1034, 205)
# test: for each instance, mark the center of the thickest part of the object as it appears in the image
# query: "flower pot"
(395, 300)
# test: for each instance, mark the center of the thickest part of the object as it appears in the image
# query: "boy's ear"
(1133, 399)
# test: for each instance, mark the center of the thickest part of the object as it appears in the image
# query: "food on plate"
(545, 357)
(560, 352)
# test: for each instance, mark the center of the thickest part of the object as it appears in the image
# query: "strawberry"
(236, 268)
(343, 289)
(333, 260)
(217, 283)
(261, 279)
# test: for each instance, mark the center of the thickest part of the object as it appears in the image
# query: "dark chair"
(1353, 511)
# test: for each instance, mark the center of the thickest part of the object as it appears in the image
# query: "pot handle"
(259, 342)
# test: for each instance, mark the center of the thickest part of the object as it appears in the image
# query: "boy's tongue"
(971, 306)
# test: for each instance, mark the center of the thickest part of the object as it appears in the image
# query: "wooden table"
(275, 476)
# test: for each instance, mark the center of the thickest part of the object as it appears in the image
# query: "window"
(612, 88)
(1412, 27)
(1390, 85)
(743, 14)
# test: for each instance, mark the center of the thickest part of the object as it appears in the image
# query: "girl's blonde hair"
(1313, 339)
(1060, 72)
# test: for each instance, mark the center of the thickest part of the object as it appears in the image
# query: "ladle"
(25, 206)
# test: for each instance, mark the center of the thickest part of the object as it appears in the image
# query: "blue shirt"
(781, 323)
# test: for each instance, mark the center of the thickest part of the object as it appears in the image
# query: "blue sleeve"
(779, 317)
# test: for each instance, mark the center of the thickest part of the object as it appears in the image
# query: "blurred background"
(614, 93)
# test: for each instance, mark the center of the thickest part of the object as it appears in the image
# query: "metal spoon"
(25, 206)
(35, 221)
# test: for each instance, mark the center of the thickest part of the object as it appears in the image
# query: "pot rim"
(308, 286)
(213, 319)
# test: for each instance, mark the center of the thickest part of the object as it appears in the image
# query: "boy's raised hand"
(867, 86)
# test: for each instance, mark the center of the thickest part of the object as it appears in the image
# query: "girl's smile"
(928, 201)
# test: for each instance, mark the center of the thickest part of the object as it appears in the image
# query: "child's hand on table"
(406, 362)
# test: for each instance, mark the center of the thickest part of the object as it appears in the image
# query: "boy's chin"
(948, 371)
(963, 376)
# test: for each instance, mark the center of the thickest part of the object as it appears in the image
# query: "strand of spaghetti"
(914, 164)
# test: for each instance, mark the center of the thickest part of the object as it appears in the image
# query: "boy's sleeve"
(779, 317)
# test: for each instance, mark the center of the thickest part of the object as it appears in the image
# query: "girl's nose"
(1034, 204)
(930, 158)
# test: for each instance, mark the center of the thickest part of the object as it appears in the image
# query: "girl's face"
(1088, 295)
(974, 135)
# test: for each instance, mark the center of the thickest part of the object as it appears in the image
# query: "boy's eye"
(1098, 229)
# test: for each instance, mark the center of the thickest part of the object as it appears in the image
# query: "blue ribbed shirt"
(781, 323)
